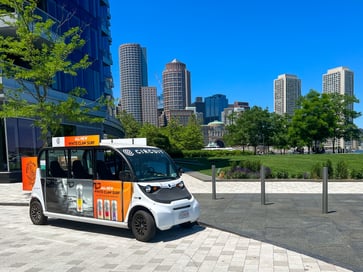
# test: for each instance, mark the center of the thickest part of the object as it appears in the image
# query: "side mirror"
(180, 171)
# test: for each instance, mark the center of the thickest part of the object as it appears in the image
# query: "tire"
(36, 213)
(143, 226)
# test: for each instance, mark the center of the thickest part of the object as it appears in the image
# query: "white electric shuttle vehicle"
(120, 183)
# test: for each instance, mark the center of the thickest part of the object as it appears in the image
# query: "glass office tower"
(19, 137)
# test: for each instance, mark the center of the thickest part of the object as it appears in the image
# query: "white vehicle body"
(121, 183)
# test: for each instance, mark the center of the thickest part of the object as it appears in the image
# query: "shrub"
(329, 165)
(282, 175)
(243, 169)
(254, 166)
(306, 175)
(356, 174)
(316, 170)
(341, 171)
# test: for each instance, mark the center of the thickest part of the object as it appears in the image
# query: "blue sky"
(238, 47)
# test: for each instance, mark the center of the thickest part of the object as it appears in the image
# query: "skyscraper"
(214, 106)
(133, 76)
(149, 105)
(339, 80)
(94, 18)
(287, 90)
(176, 87)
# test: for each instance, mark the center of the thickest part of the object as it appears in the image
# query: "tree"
(130, 125)
(192, 136)
(342, 106)
(234, 136)
(280, 125)
(155, 137)
(313, 122)
(33, 56)
(252, 127)
(174, 131)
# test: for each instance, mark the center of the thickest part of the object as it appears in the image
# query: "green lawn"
(293, 164)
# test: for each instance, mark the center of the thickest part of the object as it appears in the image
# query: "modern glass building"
(133, 76)
(19, 137)
(214, 106)
(287, 91)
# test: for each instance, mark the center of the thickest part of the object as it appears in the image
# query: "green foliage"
(281, 175)
(344, 116)
(312, 122)
(213, 153)
(297, 166)
(192, 136)
(316, 171)
(174, 132)
(341, 171)
(356, 174)
(33, 57)
(280, 126)
(330, 167)
(155, 137)
(253, 127)
(130, 125)
(323, 116)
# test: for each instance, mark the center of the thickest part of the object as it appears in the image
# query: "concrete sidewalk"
(240, 234)
(292, 218)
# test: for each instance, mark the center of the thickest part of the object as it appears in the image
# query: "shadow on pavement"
(295, 222)
(172, 234)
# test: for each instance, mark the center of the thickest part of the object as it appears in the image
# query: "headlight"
(151, 189)
(180, 185)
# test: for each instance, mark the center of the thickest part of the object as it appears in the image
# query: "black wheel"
(36, 213)
(143, 226)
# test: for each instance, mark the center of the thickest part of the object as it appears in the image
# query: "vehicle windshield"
(150, 163)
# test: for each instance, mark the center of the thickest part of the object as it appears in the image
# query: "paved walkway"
(237, 233)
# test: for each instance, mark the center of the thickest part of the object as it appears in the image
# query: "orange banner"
(28, 171)
(107, 200)
(89, 140)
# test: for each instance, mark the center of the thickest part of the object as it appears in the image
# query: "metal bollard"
(263, 189)
(325, 190)
(214, 194)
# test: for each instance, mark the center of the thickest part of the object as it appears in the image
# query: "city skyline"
(238, 49)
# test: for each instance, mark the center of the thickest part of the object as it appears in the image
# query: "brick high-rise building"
(176, 87)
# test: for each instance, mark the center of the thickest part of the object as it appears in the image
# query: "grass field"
(293, 164)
